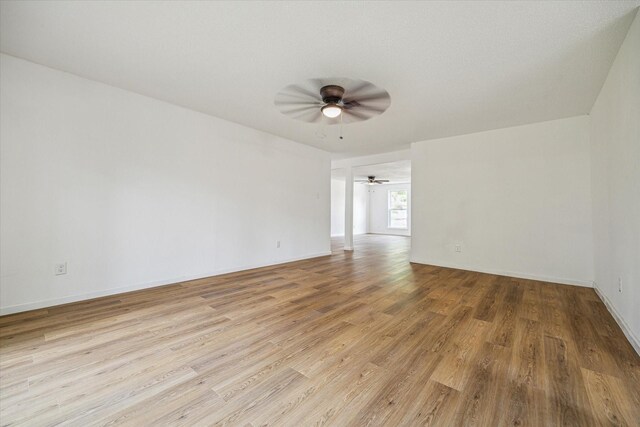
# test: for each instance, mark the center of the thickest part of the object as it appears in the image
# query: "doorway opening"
(380, 201)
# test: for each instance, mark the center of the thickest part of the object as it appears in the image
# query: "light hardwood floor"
(348, 339)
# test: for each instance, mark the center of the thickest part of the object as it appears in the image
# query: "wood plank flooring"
(351, 339)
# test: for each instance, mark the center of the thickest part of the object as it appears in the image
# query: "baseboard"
(389, 234)
(633, 340)
(551, 279)
(119, 290)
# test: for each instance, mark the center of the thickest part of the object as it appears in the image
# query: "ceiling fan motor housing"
(331, 94)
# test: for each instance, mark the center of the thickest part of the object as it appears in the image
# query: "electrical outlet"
(458, 248)
(619, 284)
(60, 269)
(277, 243)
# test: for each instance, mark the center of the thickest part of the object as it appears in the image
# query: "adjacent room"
(308, 213)
(380, 203)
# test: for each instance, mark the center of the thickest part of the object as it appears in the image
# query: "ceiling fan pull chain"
(341, 126)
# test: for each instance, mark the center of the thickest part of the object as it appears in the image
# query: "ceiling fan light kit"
(331, 110)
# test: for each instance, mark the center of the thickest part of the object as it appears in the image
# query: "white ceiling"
(450, 67)
(395, 172)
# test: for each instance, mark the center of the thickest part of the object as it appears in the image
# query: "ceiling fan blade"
(294, 97)
(367, 108)
(317, 84)
(310, 116)
(378, 97)
(359, 87)
(283, 100)
(354, 116)
(299, 109)
(350, 104)
(300, 103)
(297, 89)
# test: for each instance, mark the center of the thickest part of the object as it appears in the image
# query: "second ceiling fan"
(371, 180)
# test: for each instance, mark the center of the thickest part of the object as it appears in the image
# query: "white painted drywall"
(132, 192)
(615, 180)
(337, 207)
(360, 208)
(378, 209)
(517, 201)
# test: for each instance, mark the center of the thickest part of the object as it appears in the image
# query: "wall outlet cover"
(60, 269)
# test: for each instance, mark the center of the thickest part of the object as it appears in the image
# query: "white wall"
(360, 208)
(517, 200)
(378, 209)
(615, 180)
(132, 192)
(337, 207)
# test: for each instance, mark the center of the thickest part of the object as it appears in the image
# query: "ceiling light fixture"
(331, 110)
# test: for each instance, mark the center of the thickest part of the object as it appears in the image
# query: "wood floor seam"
(354, 338)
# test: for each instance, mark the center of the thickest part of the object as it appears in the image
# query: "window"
(398, 209)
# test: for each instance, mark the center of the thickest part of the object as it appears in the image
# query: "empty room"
(304, 213)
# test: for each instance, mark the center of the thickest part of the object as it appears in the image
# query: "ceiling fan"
(371, 180)
(338, 100)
